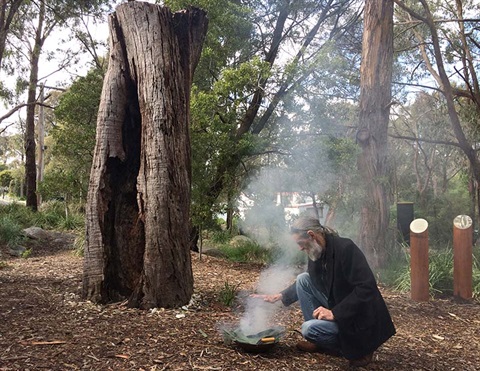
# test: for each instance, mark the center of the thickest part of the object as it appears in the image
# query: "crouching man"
(344, 312)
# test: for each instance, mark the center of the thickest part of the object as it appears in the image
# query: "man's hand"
(323, 313)
(268, 298)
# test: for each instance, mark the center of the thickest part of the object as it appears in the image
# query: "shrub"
(440, 270)
(18, 213)
(27, 253)
(228, 293)
(72, 222)
(10, 231)
(246, 252)
(476, 276)
(52, 215)
(220, 237)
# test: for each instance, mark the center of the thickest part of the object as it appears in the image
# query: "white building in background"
(291, 202)
(294, 206)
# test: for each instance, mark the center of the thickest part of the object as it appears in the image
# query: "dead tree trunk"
(375, 97)
(139, 194)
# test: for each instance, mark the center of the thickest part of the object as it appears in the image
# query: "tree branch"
(402, 5)
(424, 140)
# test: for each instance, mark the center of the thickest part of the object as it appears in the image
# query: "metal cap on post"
(462, 257)
(419, 260)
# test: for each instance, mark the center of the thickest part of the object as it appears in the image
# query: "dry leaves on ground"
(45, 325)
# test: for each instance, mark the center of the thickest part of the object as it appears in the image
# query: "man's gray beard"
(315, 251)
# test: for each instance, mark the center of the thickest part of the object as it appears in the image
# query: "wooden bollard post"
(419, 260)
(462, 257)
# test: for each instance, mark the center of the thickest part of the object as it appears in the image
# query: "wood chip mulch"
(44, 325)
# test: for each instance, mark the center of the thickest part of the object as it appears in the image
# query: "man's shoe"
(307, 346)
(362, 361)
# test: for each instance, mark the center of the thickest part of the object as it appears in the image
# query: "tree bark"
(375, 100)
(139, 193)
(30, 147)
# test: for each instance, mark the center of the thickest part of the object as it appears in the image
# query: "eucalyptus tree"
(271, 49)
(445, 39)
(427, 167)
(425, 152)
(8, 11)
(71, 139)
(36, 21)
(374, 110)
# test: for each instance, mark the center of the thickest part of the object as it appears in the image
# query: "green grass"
(15, 217)
(18, 213)
(10, 231)
(440, 270)
(27, 253)
(228, 294)
(248, 252)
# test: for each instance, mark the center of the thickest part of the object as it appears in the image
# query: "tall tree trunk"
(30, 163)
(375, 100)
(139, 193)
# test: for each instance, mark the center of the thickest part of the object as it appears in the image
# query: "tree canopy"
(277, 91)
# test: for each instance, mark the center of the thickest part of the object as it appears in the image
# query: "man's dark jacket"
(358, 307)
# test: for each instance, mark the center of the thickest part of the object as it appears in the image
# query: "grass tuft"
(228, 294)
(247, 252)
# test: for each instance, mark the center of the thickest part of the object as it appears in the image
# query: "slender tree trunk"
(139, 193)
(30, 163)
(375, 100)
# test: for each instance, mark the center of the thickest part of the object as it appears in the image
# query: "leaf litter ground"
(44, 325)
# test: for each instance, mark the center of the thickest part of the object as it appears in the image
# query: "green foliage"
(476, 275)
(50, 216)
(440, 270)
(228, 34)
(10, 231)
(228, 293)
(230, 139)
(248, 252)
(4, 265)
(48, 219)
(17, 182)
(18, 213)
(73, 140)
(6, 178)
(27, 253)
(72, 222)
(220, 237)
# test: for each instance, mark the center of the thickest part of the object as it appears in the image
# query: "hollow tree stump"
(137, 240)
